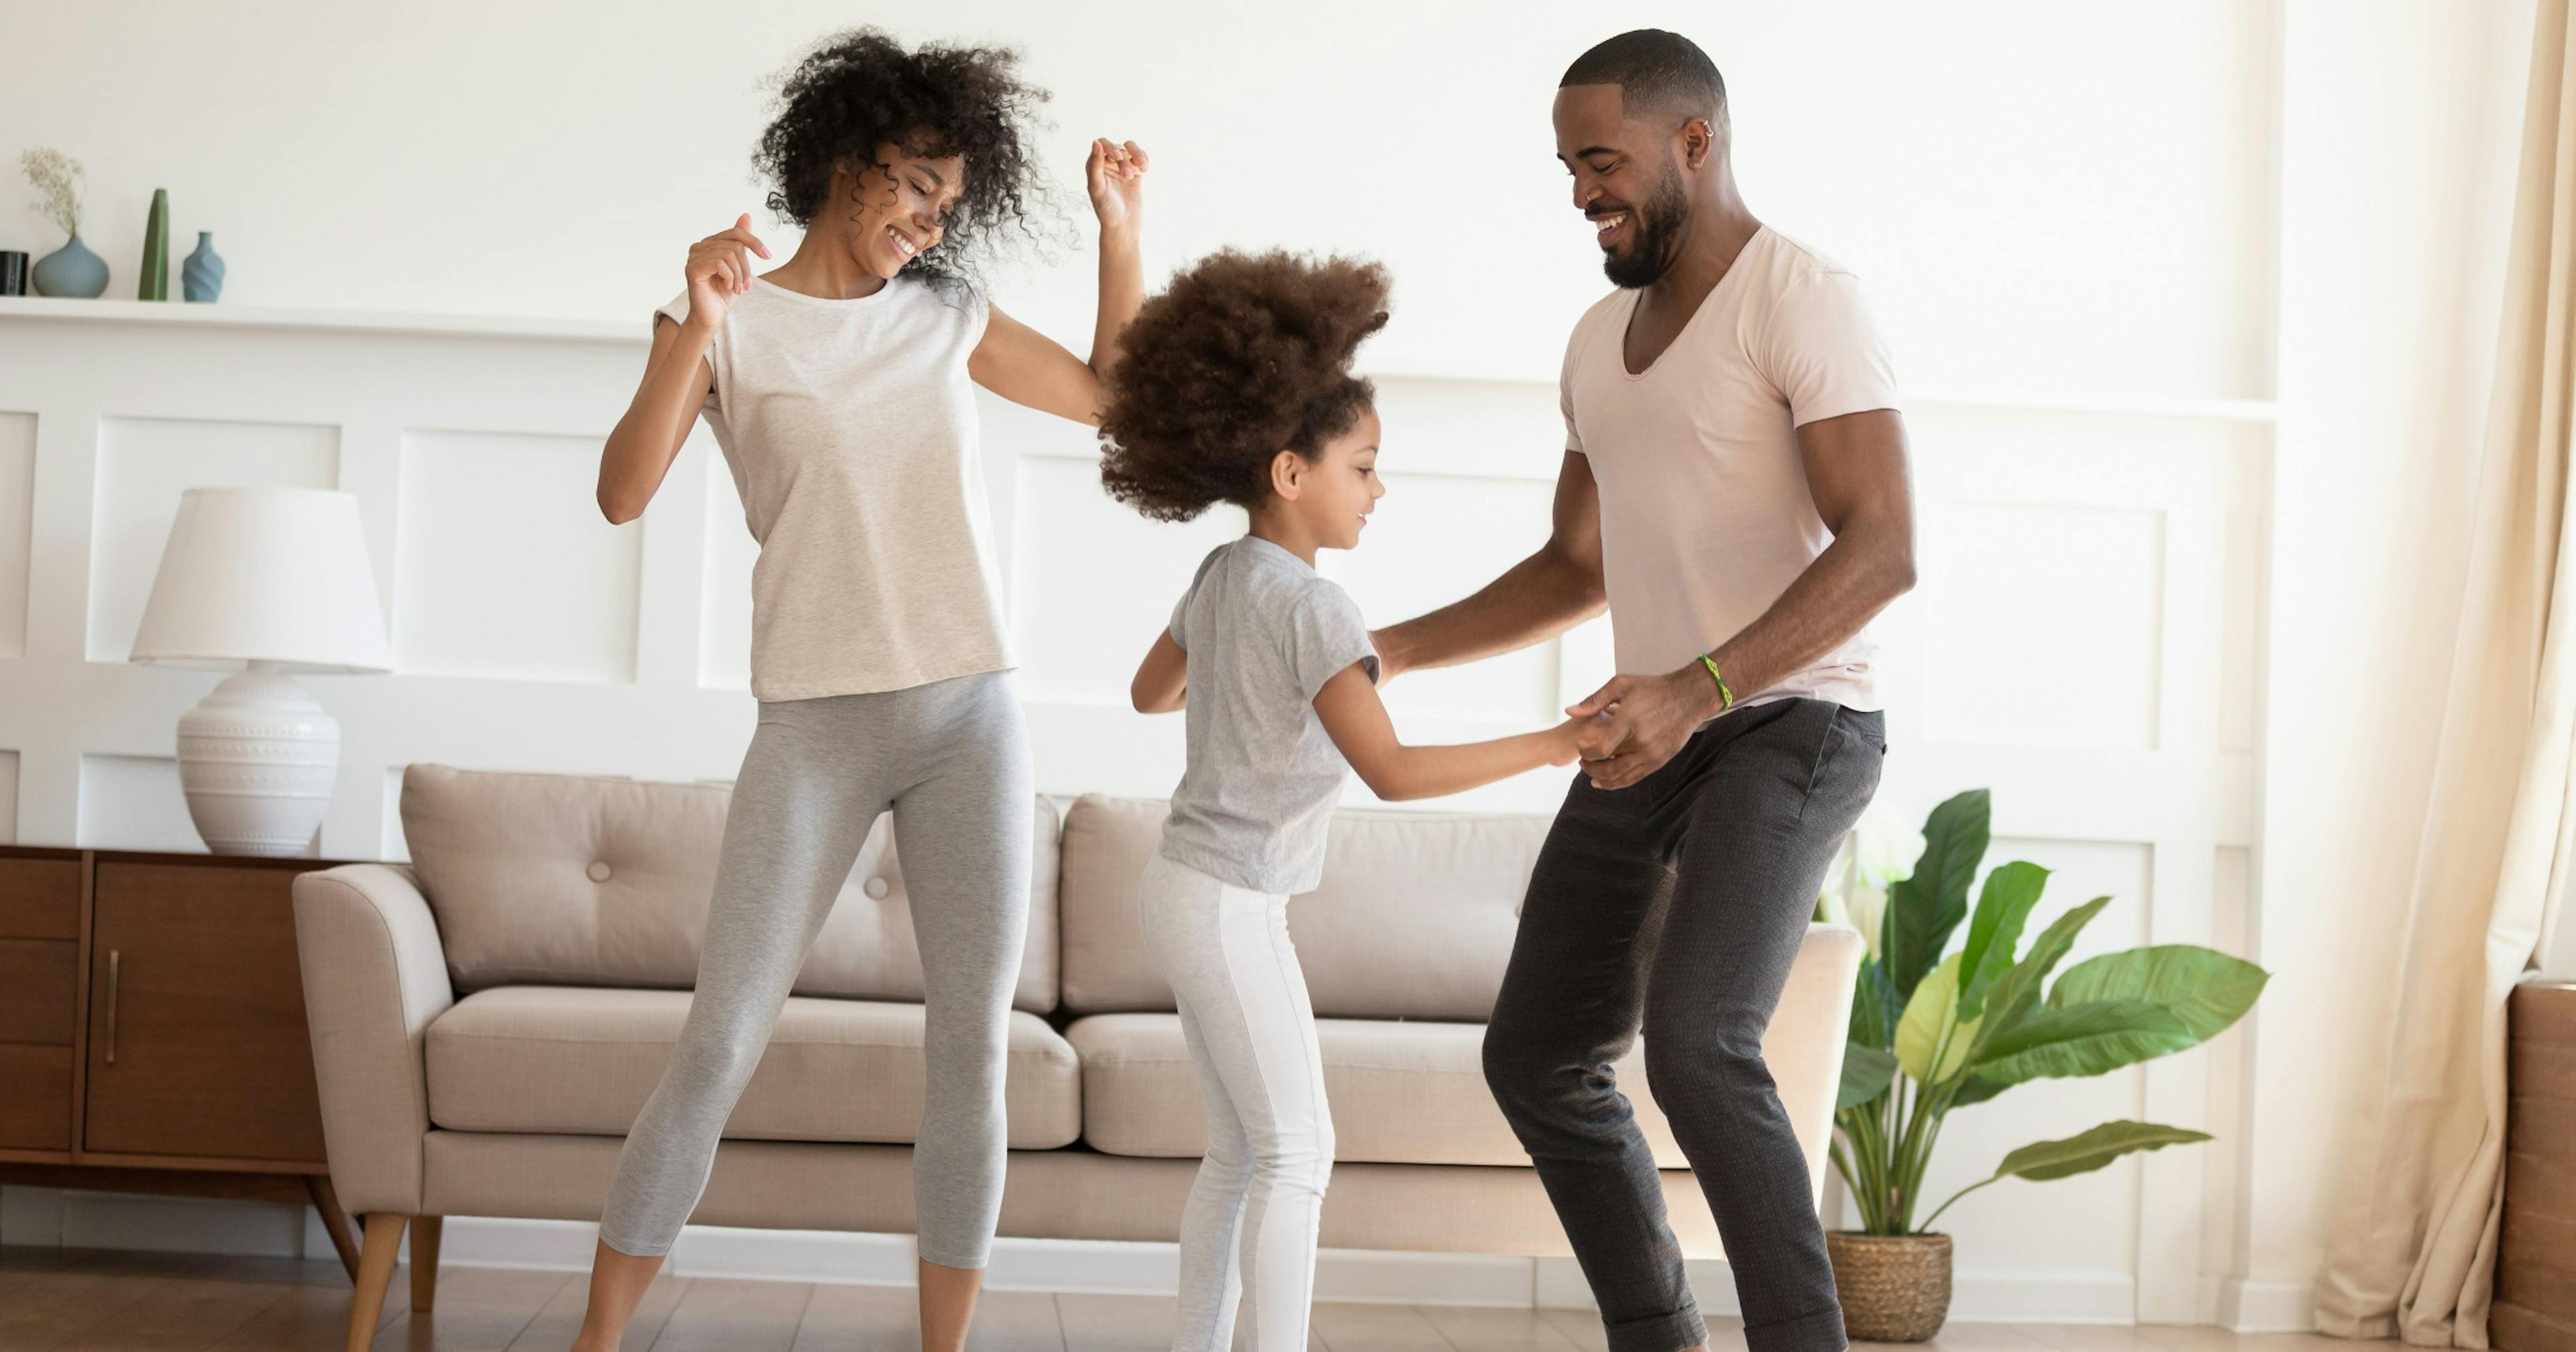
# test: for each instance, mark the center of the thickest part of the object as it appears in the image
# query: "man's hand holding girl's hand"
(1636, 723)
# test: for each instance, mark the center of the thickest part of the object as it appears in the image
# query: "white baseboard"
(56, 1218)
(2267, 1307)
(46, 1217)
(1016, 1265)
(1984, 1298)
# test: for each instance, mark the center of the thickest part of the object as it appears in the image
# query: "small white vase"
(257, 759)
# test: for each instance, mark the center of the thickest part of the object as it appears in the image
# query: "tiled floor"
(96, 1301)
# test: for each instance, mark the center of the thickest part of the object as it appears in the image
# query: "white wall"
(2069, 218)
(2001, 184)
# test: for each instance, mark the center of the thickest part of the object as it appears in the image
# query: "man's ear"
(1287, 474)
(1699, 141)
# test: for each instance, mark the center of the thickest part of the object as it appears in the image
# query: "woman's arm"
(1030, 369)
(1162, 681)
(676, 377)
(645, 442)
(1355, 718)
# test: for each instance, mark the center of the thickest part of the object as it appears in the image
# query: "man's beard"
(1659, 227)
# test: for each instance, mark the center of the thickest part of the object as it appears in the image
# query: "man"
(1735, 483)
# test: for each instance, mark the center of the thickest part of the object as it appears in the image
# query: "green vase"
(156, 250)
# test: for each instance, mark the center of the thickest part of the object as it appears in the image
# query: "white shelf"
(104, 311)
(219, 315)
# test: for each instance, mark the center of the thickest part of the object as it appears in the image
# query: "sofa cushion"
(562, 880)
(583, 1060)
(1401, 1092)
(1414, 918)
(1414, 1092)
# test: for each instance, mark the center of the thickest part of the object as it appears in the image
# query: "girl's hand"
(1116, 176)
(1564, 741)
(719, 269)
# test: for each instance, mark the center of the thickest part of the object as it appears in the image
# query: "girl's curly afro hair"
(860, 89)
(1241, 357)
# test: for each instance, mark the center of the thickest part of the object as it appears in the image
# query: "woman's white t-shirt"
(850, 427)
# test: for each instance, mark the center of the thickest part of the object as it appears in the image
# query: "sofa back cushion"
(562, 880)
(1414, 918)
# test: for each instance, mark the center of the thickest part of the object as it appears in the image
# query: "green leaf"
(2080, 1040)
(2013, 996)
(1974, 1088)
(2207, 990)
(2087, 1151)
(1922, 910)
(1867, 1071)
(1931, 1027)
(2001, 911)
(1870, 1026)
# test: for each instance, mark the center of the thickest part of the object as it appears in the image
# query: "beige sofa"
(487, 1021)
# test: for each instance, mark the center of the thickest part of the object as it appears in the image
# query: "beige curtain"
(2413, 1252)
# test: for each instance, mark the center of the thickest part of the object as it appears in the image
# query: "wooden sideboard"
(152, 1034)
(2535, 1293)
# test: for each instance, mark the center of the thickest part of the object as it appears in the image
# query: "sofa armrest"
(1814, 1019)
(375, 975)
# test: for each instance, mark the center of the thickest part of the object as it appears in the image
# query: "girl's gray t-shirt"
(1263, 632)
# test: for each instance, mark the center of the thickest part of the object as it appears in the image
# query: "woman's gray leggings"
(951, 759)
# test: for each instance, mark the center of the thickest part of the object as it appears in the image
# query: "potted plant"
(1932, 1033)
(71, 270)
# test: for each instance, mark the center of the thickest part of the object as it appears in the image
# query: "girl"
(838, 386)
(1236, 387)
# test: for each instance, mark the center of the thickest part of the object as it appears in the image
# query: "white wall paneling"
(8, 797)
(472, 458)
(505, 566)
(2072, 630)
(17, 526)
(133, 803)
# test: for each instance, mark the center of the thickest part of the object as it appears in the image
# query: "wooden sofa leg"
(376, 1253)
(424, 1262)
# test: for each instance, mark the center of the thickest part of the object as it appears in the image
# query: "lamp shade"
(270, 575)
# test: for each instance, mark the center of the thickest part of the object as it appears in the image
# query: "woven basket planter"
(1894, 1288)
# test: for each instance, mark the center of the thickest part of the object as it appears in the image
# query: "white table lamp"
(264, 582)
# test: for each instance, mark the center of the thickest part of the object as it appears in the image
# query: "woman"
(838, 385)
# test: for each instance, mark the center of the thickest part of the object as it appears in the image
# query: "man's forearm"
(1540, 597)
(1849, 583)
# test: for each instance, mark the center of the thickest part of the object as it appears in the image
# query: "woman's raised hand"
(719, 269)
(1116, 177)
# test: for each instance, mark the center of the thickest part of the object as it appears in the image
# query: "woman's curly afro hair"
(1241, 357)
(860, 89)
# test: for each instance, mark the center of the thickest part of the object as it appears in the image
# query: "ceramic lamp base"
(257, 759)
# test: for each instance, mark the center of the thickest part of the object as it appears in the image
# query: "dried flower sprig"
(58, 181)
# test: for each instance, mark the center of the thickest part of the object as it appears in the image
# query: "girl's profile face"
(896, 209)
(1338, 489)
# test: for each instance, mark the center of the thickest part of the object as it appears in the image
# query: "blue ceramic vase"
(201, 278)
(71, 270)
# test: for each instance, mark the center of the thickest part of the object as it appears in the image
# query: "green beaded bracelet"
(1725, 693)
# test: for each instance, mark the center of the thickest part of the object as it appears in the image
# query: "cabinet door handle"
(113, 957)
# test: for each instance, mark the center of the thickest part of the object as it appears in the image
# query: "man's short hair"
(1655, 71)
